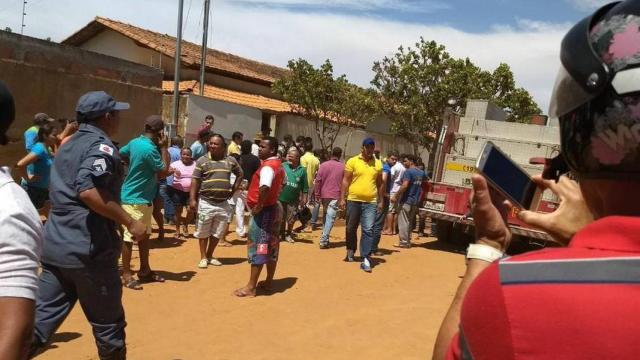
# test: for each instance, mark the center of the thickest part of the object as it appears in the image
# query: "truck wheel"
(443, 230)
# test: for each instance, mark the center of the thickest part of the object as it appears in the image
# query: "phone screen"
(508, 177)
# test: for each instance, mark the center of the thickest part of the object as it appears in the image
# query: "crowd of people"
(99, 200)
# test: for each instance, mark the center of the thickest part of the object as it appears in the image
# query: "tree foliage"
(415, 85)
(331, 102)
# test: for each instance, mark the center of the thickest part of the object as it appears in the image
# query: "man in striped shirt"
(210, 189)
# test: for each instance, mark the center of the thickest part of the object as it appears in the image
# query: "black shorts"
(178, 197)
(38, 196)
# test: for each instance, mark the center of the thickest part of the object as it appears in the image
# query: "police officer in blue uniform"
(82, 245)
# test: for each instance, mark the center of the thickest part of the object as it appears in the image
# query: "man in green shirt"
(147, 158)
(294, 194)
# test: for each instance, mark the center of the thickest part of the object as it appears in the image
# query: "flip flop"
(225, 244)
(242, 293)
(132, 284)
(150, 277)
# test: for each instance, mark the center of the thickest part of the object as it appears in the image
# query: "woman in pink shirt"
(182, 171)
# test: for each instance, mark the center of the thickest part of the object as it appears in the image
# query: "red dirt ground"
(323, 308)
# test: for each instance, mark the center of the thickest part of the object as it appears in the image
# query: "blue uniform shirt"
(141, 184)
(415, 176)
(75, 236)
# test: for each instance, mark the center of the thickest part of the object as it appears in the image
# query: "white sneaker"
(215, 262)
(289, 239)
(203, 264)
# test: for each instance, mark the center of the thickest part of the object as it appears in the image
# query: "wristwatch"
(483, 252)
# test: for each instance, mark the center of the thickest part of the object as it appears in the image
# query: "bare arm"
(21, 166)
(101, 202)
(381, 188)
(344, 189)
(16, 327)
(403, 188)
(264, 190)
(193, 193)
(239, 176)
(450, 323)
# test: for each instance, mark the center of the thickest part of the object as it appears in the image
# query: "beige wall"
(112, 43)
(48, 77)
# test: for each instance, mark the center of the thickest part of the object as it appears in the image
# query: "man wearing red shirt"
(266, 214)
(578, 302)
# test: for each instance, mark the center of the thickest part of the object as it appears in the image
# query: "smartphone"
(508, 178)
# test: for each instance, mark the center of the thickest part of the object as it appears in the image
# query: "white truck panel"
(509, 130)
(518, 150)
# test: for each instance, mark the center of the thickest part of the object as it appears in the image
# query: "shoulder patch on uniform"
(99, 165)
(106, 149)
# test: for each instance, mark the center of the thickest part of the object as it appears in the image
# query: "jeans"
(169, 208)
(99, 292)
(406, 222)
(315, 213)
(240, 198)
(363, 214)
(330, 207)
(379, 224)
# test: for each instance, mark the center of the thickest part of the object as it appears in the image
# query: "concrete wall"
(48, 77)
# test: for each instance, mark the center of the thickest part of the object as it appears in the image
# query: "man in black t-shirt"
(250, 164)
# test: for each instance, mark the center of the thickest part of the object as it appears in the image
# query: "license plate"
(434, 206)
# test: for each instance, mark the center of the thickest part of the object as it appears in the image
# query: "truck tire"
(443, 230)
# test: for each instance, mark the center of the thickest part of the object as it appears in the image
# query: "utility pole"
(176, 74)
(203, 55)
(24, 8)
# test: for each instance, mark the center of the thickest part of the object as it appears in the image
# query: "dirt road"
(323, 308)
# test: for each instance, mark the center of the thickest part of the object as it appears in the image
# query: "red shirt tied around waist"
(270, 174)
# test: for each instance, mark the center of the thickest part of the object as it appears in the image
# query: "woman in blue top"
(36, 167)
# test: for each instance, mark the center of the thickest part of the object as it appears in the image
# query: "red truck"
(462, 138)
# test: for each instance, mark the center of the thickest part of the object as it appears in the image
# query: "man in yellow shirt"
(362, 187)
(312, 164)
(234, 145)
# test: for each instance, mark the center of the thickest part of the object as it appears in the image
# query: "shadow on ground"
(443, 246)
(181, 276)
(279, 286)
(61, 337)
(232, 261)
(168, 242)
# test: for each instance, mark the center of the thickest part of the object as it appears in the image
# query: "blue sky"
(466, 15)
(525, 34)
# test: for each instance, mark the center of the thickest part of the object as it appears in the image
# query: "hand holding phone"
(505, 176)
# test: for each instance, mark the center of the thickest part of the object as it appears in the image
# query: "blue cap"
(97, 103)
(368, 141)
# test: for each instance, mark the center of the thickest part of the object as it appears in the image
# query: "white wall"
(349, 139)
(228, 118)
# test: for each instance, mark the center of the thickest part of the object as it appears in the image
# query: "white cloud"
(423, 6)
(352, 43)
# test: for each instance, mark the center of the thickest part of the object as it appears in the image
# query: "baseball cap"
(97, 103)
(154, 122)
(368, 141)
(42, 117)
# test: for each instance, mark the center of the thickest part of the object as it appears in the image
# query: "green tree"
(331, 102)
(413, 90)
(415, 85)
